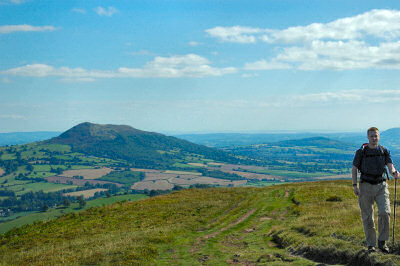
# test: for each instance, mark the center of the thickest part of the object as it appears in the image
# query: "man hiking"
(371, 160)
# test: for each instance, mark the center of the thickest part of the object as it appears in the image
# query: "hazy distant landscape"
(91, 161)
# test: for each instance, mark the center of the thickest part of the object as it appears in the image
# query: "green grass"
(34, 187)
(259, 183)
(15, 216)
(8, 156)
(216, 226)
(294, 174)
(56, 147)
(31, 217)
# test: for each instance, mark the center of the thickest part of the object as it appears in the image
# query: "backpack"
(383, 152)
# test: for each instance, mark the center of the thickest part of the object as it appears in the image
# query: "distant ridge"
(15, 138)
(321, 142)
(141, 148)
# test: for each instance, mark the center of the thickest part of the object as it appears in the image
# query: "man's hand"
(356, 191)
(396, 174)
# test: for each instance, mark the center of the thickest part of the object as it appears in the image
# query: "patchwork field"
(88, 173)
(153, 185)
(181, 172)
(165, 181)
(85, 193)
(80, 182)
(145, 170)
(22, 187)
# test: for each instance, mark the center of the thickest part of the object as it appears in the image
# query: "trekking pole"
(394, 209)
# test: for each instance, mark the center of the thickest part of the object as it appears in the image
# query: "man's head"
(373, 135)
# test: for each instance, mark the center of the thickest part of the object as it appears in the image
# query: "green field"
(290, 224)
(30, 217)
(122, 177)
(294, 174)
(34, 187)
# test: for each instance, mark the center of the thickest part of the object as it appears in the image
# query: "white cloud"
(24, 28)
(79, 10)
(368, 40)
(108, 12)
(190, 65)
(5, 80)
(343, 55)
(383, 24)
(237, 34)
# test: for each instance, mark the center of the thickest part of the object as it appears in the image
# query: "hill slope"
(319, 221)
(141, 148)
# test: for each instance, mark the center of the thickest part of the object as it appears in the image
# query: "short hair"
(372, 129)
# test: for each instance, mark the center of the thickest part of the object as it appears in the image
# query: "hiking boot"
(383, 247)
(371, 249)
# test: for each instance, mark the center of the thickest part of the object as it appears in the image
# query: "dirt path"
(287, 194)
(212, 235)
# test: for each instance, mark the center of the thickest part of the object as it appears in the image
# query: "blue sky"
(200, 66)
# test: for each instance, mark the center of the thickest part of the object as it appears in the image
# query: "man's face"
(373, 137)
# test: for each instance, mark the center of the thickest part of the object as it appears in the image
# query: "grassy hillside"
(291, 224)
(31, 217)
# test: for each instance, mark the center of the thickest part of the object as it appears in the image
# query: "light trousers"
(369, 194)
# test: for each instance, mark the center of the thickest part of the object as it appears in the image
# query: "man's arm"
(393, 170)
(354, 178)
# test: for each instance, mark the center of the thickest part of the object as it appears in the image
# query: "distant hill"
(144, 149)
(239, 139)
(389, 138)
(320, 142)
(15, 138)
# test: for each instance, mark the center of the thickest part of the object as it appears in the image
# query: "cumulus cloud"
(368, 40)
(343, 55)
(237, 34)
(377, 23)
(190, 65)
(108, 12)
(24, 28)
